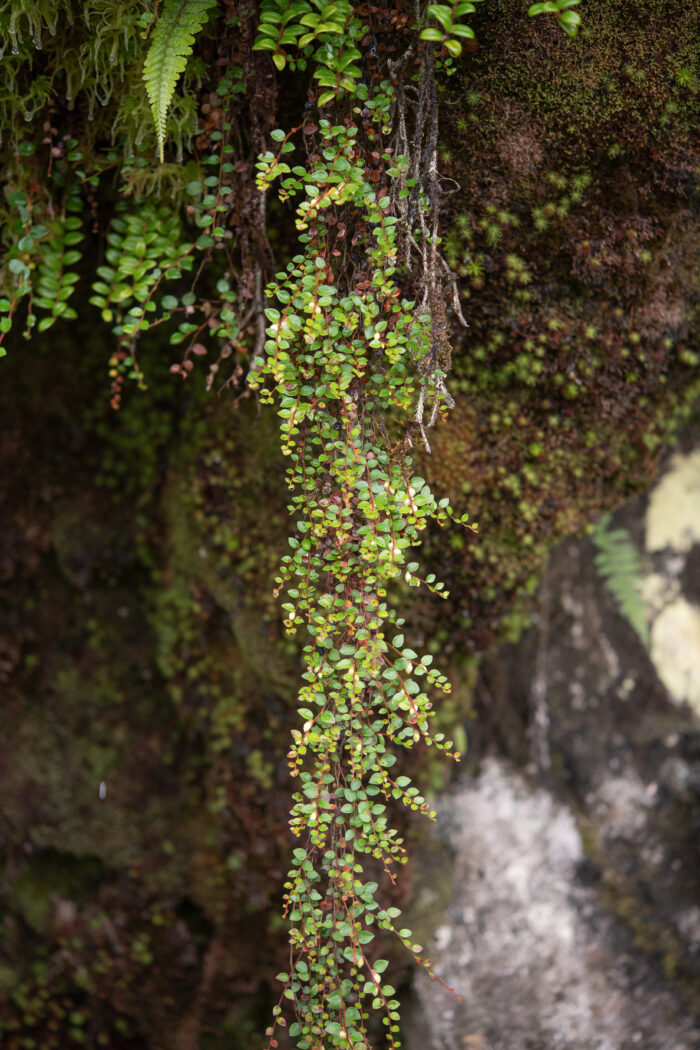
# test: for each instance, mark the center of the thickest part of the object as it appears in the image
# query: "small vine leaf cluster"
(324, 33)
(41, 263)
(450, 31)
(346, 353)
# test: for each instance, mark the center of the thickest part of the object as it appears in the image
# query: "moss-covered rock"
(571, 224)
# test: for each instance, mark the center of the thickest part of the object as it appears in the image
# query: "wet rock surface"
(573, 917)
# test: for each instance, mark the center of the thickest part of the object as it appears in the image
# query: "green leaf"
(442, 14)
(171, 45)
(570, 21)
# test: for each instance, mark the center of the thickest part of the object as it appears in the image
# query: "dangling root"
(419, 215)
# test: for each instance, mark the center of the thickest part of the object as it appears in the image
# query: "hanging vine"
(348, 355)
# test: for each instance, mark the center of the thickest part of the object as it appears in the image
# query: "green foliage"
(58, 51)
(353, 347)
(22, 22)
(171, 46)
(346, 356)
(451, 29)
(40, 265)
(355, 344)
(148, 250)
(620, 566)
(561, 9)
(345, 353)
(300, 25)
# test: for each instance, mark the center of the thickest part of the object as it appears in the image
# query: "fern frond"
(171, 46)
(620, 566)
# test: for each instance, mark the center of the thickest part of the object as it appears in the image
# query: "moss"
(82, 60)
(242, 1028)
(612, 86)
(103, 553)
(51, 872)
(576, 273)
(218, 554)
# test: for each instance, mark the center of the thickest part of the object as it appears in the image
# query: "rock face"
(537, 960)
(573, 918)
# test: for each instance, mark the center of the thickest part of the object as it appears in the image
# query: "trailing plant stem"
(345, 353)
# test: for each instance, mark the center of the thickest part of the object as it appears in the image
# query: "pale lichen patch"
(673, 516)
(675, 651)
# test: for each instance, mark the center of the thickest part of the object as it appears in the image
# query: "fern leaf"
(171, 46)
(620, 566)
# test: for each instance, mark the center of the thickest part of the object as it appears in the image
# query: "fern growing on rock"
(173, 39)
(620, 567)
